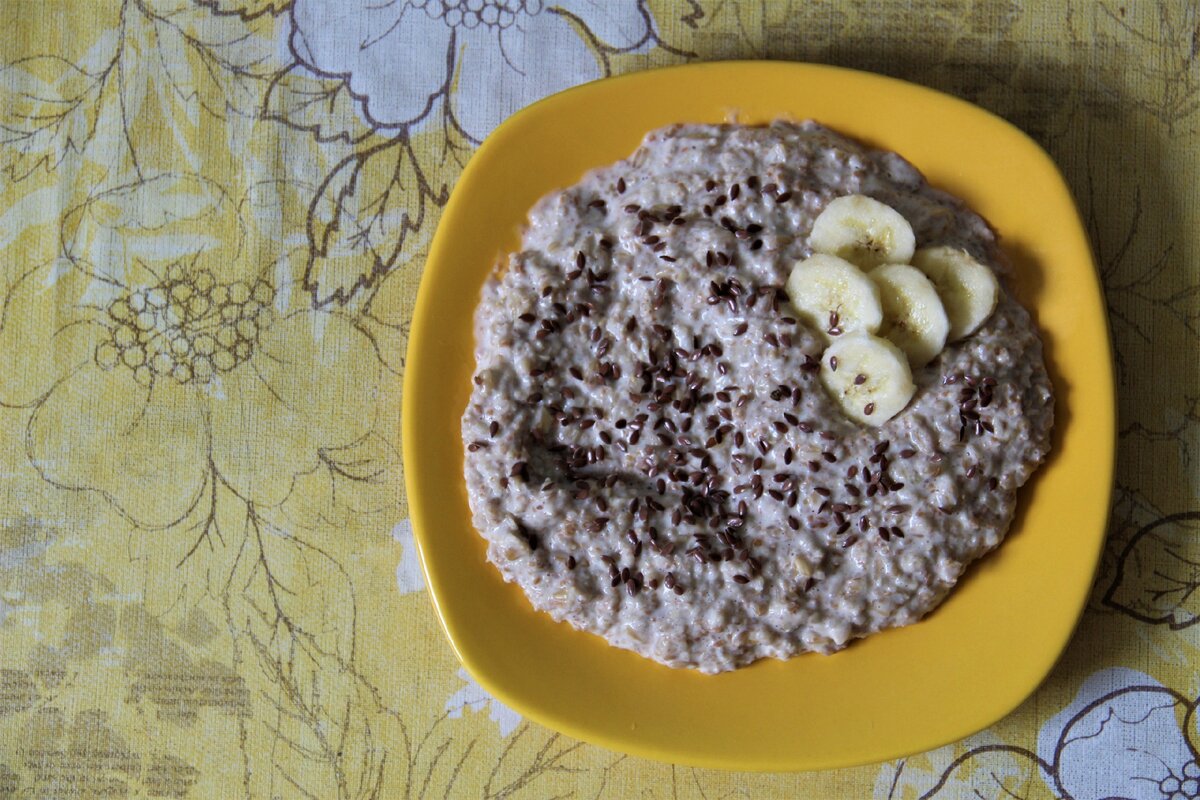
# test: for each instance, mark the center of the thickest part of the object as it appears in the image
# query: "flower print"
(1124, 735)
(409, 577)
(177, 369)
(485, 58)
(475, 697)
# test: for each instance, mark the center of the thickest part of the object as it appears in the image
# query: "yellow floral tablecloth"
(213, 220)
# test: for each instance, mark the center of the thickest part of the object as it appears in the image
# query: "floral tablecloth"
(213, 220)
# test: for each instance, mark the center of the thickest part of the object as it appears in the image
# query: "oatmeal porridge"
(659, 448)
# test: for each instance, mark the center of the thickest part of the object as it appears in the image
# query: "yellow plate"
(963, 668)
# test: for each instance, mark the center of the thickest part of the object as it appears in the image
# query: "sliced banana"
(913, 316)
(868, 376)
(834, 296)
(969, 290)
(863, 231)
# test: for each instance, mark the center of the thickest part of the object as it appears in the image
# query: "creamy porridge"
(651, 453)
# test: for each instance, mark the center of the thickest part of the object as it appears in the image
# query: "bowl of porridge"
(729, 411)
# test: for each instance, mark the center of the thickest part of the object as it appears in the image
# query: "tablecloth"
(213, 221)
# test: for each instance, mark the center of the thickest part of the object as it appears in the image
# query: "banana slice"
(863, 231)
(834, 296)
(969, 290)
(868, 376)
(913, 316)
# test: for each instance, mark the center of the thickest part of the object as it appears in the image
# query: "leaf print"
(351, 482)
(534, 761)
(991, 772)
(451, 758)
(152, 222)
(48, 110)
(529, 763)
(370, 211)
(185, 73)
(267, 206)
(298, 600)
(388, 338)
(386, 314)
(1150, 295)
(366, 461)
(292, 610)
(145, 84)
(1188, 425)
(982, 766)
(1157, 579)
(1174, 86)
(219, 63)
(321, 106)
(27, 219)
(246, 9)
(1130, 513)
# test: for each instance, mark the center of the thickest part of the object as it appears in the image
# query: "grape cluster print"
(188, 327)
(470, 14)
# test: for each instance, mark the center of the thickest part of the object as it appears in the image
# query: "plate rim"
(570, 724)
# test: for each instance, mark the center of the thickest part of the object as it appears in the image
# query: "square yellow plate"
(968, 664)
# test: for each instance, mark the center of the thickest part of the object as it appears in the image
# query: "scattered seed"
(530, 538)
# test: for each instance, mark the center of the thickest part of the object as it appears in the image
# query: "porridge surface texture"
(651, 455)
